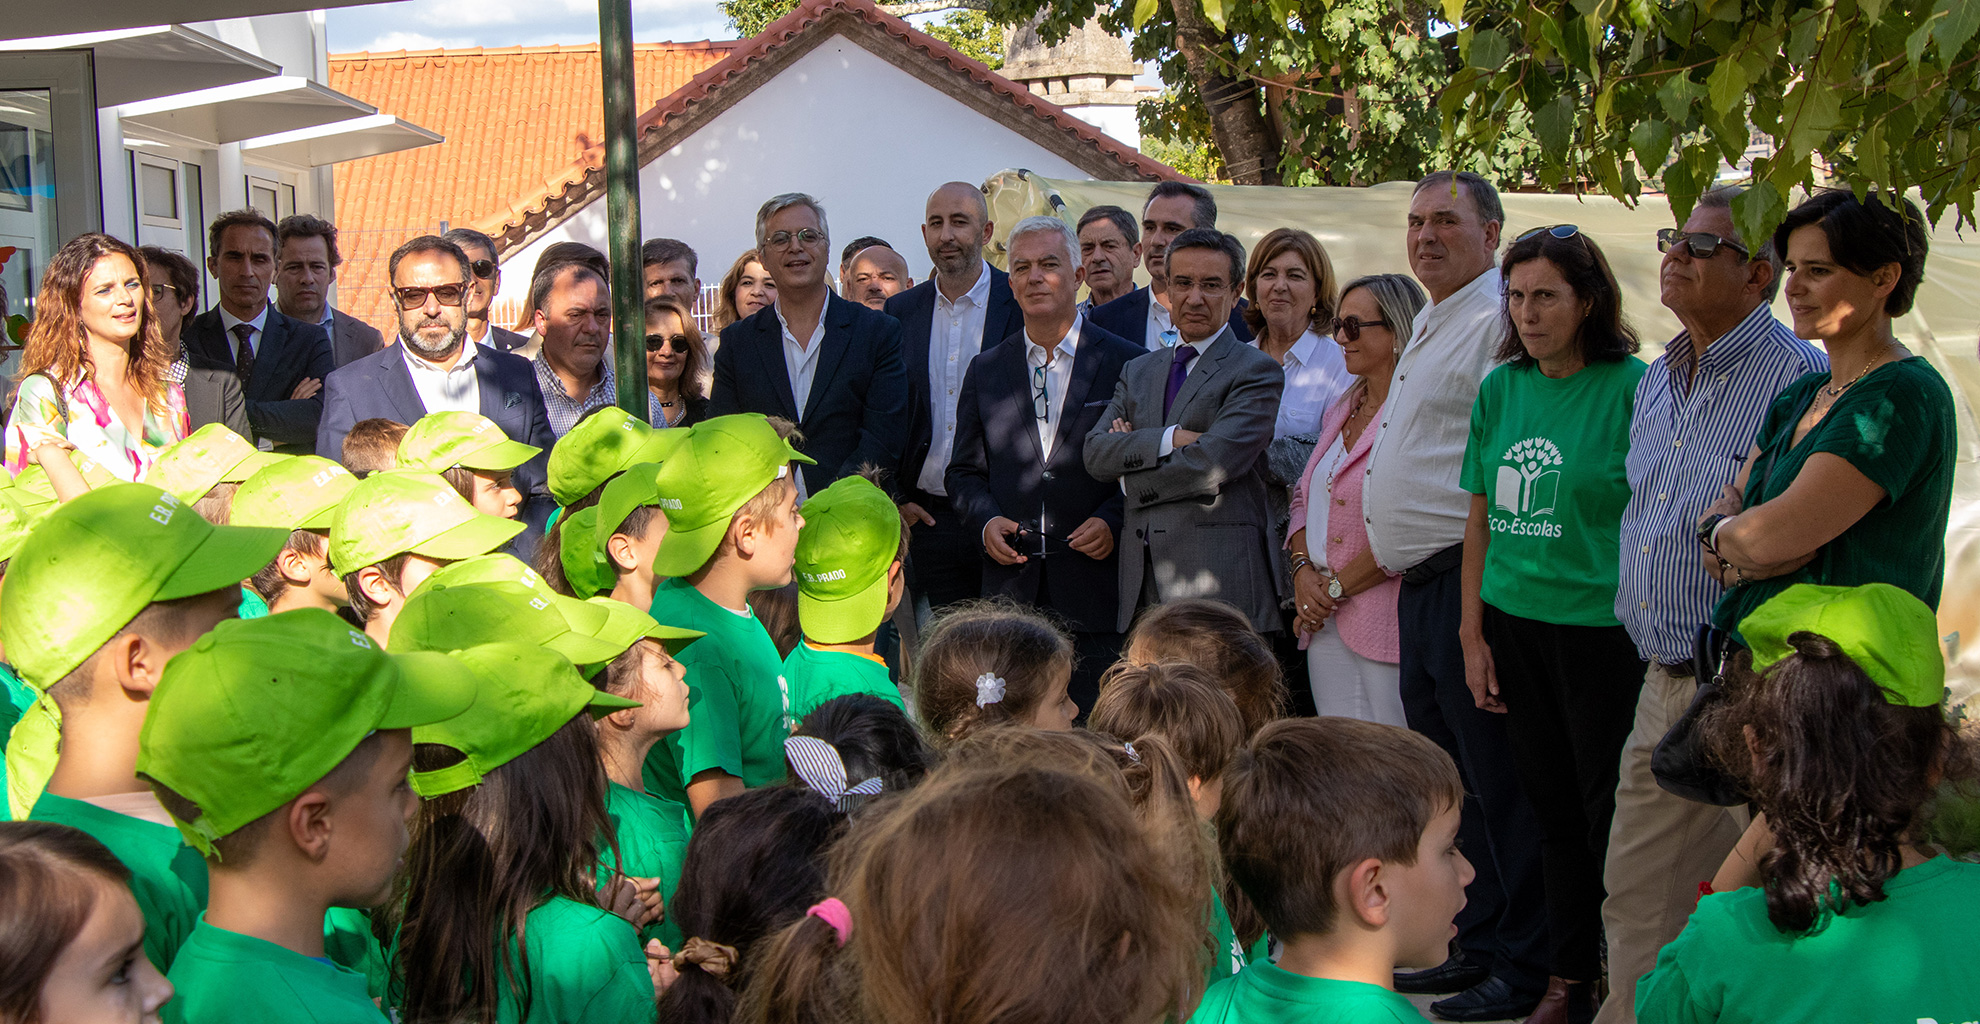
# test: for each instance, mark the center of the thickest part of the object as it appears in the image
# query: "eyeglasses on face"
(158, 292)
(804, 236)
(676, 342)
(415, 298)
(1350, 327)
(484, 269)
(1700, 245)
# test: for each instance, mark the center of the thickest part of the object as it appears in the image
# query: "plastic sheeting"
(1362, 230)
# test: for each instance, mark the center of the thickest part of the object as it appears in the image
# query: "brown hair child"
(372, 445)
(987, 663)
(1217, 638)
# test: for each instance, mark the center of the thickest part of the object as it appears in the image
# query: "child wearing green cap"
(629, 530)
(849, 582)
(206, 467)
(732, 529)
(471, 452)
(142, 578)
(15, 696)
(393, 530)
(652, 833)
(1842, 741)
(498, 917)
(297, 494)
(280, 746)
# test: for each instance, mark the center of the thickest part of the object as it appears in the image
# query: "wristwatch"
(1335, 592)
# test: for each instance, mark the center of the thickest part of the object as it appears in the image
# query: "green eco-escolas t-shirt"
(1548, 456)
(817, 676)
(1903, 960)
(739, 701)
(221, 977)
(585, 966)
(1265, 994)
(653, 838)
(1227, 955)
(168, 878)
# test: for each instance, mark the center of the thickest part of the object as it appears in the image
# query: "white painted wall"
(869, 140)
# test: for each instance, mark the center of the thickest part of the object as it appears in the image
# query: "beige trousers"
(1660, 847)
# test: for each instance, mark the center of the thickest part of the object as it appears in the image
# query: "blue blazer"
(379, 386)
(997, 470)
(286, 352)
(915, 309)
(1127, 316)
(857, 411)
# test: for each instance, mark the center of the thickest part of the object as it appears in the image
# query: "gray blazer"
(1200, 512)
(352, 339)
(213, 395)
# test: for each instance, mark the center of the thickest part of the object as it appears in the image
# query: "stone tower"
(1090, 73)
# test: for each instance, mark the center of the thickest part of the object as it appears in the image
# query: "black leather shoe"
(1453, 975)
(1491, 999)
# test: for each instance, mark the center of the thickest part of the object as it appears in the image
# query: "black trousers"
(1570, 695)
(945, 561)
(1504, 923)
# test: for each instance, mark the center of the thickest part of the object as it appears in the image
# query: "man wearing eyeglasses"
(435, 368)
(1043, 528)
(1697, 410)
(306, 261)
(480, 250)
(826, 363)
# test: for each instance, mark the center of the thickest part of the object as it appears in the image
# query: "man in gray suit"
(306, 261)
(487, 281)
(1186, 436)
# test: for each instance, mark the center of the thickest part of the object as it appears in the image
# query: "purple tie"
(1178, 372)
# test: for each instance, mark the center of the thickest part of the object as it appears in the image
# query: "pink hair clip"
(834, 913)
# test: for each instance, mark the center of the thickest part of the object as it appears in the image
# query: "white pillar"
(114, 173)
(233, 180)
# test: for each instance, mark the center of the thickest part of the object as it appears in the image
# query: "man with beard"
(434, 367)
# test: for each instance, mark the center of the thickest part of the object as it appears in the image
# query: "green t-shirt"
(347, 940)
(653, 838)
(14, 700)
(739, 703)
(585, 966)
(168, 878)
(1548, 456)
(1897, 961)
(252, 604)
(1227, 955)
(1894, 426)
(817, 676)
(1266, 994)
(222, 977)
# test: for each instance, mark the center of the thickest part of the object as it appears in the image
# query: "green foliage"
(751, 17)
(1624, 93)
(1196, 159)
(973, 34)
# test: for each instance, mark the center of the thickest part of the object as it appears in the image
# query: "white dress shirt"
(1411, 500)
(955, 335)
(444, 388)
(1058, 377)
(801, 362)
(1316, 374)
(229, 321)
(1158, 321)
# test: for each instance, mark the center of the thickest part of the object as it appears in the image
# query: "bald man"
(874, 275)
(945, 322)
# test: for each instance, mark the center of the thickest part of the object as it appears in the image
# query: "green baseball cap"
(207, 456)
(621, 625)
(1890, 634)
(296, 493)
(35, 493)
(637, 487)
(725, 462)
(523, 696)
(603, 443)
(259, 710)
(442, 440)
(16, 522)
(395, 511)
(446, 616)
(94, 563)
(586, 568)
(851, 536)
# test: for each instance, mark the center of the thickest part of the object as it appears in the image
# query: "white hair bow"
(818, 763)
(989, 689)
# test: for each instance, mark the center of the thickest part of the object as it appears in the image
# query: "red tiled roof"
(584, 178)
(513, 118)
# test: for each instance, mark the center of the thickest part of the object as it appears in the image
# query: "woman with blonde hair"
(745, 289)
(676, 364)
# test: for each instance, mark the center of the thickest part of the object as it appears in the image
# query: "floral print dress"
(91, 426)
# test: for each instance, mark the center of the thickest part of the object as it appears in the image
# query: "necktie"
(1178, 372)
(243, 352)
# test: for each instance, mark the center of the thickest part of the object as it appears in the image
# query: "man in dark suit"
(829, 365)
(281, 361)
(1186, 436)
(434, 367)
(480, 250)
(306, 262)
(1043, 527)
(945, 321)
(1145, 314)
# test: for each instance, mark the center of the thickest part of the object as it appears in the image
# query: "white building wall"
(867, 139)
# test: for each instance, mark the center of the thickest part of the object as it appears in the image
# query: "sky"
(424, 24)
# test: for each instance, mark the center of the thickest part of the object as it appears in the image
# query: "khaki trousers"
(1660, 847)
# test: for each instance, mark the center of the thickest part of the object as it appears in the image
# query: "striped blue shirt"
(1687, 441)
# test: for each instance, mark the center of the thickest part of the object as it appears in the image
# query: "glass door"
(49, 178)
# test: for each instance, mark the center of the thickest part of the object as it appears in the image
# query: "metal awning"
(26, 19)
(137, 64)
(335, 143)
(236, 113)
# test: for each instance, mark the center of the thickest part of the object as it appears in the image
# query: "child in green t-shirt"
(733, 527)
(1343, 834)
(606, 444)
(628, 530)
(280, 747)
(990, 663)
(472, 454)
(70, 933)
(395, 528)
(849, 559)
(651, 833)
(298, 495)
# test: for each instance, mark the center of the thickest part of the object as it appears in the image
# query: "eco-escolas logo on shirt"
(1527, 485)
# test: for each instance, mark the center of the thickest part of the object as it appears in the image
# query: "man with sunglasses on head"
(480, 250)
(306, 261)
(435, 368)
(1697, 410)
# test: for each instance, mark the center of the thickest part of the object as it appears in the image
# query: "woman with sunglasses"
(675, 365)
(1542, 644)
(746, 288)
(1352, 667)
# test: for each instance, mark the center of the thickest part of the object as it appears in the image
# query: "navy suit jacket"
(915, 309)
(857, 410)
(997, 470)
(379, 386)
(1127, 316)
(286, 352)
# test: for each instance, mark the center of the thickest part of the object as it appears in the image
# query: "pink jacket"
(1367, 621)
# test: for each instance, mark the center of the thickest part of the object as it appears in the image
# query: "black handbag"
(1681, 762)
